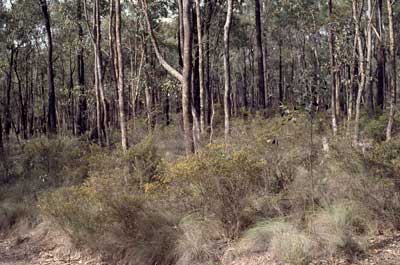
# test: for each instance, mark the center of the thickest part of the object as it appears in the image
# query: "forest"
(199, 132)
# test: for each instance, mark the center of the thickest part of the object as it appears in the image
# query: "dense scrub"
(272, 190)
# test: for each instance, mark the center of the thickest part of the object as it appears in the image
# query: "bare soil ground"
(44, 246)
(384, 250)
(41, 246)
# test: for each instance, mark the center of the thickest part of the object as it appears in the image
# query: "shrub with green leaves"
(144, 160)
(219, 183)
(54, 162)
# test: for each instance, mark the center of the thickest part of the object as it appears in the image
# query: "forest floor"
(43, 246)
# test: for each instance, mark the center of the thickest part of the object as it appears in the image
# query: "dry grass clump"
(132, 204)
(127, 227)
(201, 241)
(12, 212)
(293, 247)
(258, 238)
(140, 231)
(282, 239)
(342, 228)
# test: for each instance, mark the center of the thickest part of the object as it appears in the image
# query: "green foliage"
(144, 160)
(53, 162)
(376, 128)
(113, 222)
(12, 212)
(388, 154)
(219, 182)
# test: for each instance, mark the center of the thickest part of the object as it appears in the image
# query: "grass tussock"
(257, 195)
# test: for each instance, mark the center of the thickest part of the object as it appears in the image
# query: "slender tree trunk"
(7, 111)
(99, 71)
(227, 70)
(186, 76)
(393, 81)
(245, 83)
(22, 111)
(280, 72)
(353, 84)
(121, 102)
(82, 114)
(369, 59)
(201, 66)
(196, 88)
(52, 116)
(381, 57)
(356, 14)
(259, 56)
(333, 70)
(1, 139)
(71, 98)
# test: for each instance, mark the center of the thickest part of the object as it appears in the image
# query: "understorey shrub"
(201, 241)
(11, 212)
(144, 160)
(375, 128)
(125, 226)
(53, 162)
(219, 183)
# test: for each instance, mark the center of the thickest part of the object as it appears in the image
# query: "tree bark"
(368, 83)
(393, 83)
(333, 70)
(120, 65)
(7, 110)
(82, 114)
(259, 56)
(381, 57)
(186, 75)
(201, 66)
(356, 14)
(227, 70)
(52, 116)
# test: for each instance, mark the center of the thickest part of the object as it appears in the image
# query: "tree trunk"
(52, 116)
(201, 66)
(120, 65)
(186, 75)
(280, 72)
(393, 83)
(103, 115)
(361, 59)
(259, 56)
(7, 110)
(333, 70)
(369, 59)
(227, 70)
(82, 115)
(381, 57)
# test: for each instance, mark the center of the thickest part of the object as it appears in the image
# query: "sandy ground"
(384, 250)
(43, 246)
